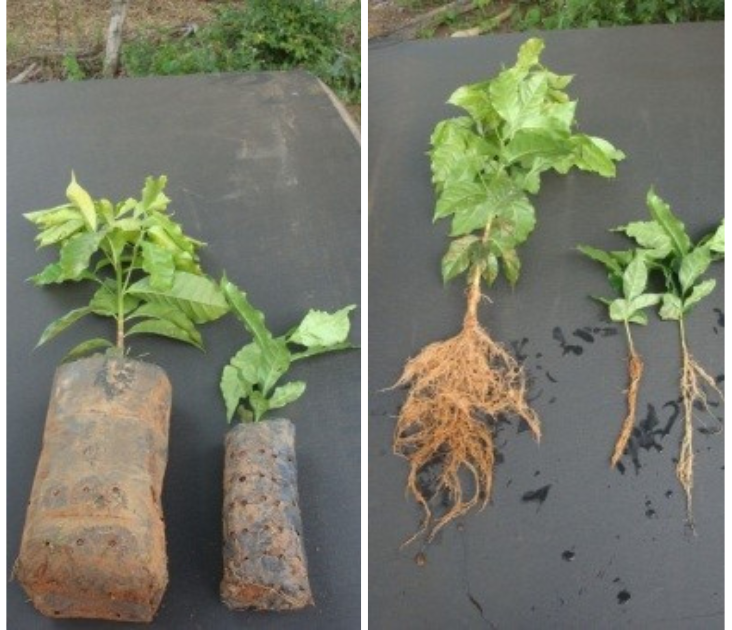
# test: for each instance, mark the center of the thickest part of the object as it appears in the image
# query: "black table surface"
(656, 93)
(261, 167)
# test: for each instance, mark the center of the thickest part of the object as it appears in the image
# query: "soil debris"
(567, 348)
(538, 496)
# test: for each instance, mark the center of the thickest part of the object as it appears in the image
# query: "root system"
(635, 373)
(694, 379)
(459, 389)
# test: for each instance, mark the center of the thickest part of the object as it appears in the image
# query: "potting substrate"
(219, 140)
(566, 541)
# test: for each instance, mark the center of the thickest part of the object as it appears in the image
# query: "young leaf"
(671, 307)
(457, 258)
(53, 216)
(76, 254)
(158, 262)
(644, 301)
(198, 297)
(693, 265)
(285, 394)
(635, 278)
(650, 235)
(86, 347)
(81, 199)
(166, 329)
(321, 329)
(716, 240)
(233, 389)
(661, 213)
(699, 292)
(620, 310)
(51, 274)
(57, 233)
(603, 257)
(62, 323)
(153, 198)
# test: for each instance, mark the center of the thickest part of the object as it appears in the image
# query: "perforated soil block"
(264, 558)
(93, 544)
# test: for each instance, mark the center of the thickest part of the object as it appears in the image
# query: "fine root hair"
(459, 389)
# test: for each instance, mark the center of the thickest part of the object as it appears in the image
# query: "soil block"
(264, 558)
(94, 538)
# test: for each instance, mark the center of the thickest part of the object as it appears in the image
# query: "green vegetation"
(252, 374)
(664, 249)
(144, 266)
(262, 35)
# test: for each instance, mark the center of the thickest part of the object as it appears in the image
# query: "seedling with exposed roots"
(628, 275)
(664, 247)
(484, 166)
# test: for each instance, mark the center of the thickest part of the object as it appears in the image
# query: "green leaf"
(233, 388)
(490, 272)
(259, 403)
(51, 274)
(638, 317)
(650, 235)
(715, 243)
(475, 100)
(603, 257)
(153, 198)
(321, 329)
(529, 53)
(693, 265)
(511, 266)
(58, 233)
(105, 208)
(62, 323)
(76, 254)
(82, 200)
(514, 221)
(595, 155)
(316, 350)
(198, 297)
(285, 394)
(635, 278)
(531, 144)
(458, 257)
(620, 310)
(699, 292)
(86, 347)
(671, 307)
(165, 329)
(645, 300)
(274, 357)
(158, 262)
(53, 216)
(462, 196)
(661, 213)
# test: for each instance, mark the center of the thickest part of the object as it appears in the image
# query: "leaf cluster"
(145, 268)
(249, 383)
(486, 164)
(665, 248)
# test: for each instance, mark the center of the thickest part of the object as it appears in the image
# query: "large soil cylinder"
(264, 558)
(94, 538)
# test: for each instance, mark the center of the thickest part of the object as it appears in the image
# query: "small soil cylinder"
(93, 544)
(264, 558)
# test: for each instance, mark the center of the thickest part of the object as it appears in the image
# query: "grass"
(169, 37)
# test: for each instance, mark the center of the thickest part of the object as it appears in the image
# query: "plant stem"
(629, 337)
(471, 314)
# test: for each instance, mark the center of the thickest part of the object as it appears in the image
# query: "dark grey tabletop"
(263, 169)
(656, 93)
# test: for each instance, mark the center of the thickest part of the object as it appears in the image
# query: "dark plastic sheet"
(262, 167)
(600, 536)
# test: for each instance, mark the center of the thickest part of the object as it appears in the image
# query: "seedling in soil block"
(670, 252)
(628, 275)
(93, 544)
(484, 166)
(264, 557)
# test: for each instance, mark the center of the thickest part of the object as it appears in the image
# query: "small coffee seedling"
(665, 249)
(145, 267)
